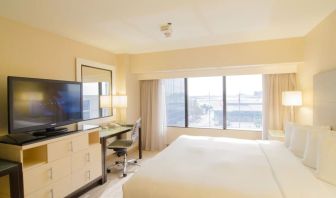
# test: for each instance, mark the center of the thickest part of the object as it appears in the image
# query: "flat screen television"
(41, 104)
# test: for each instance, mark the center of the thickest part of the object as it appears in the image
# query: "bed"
(207, 167)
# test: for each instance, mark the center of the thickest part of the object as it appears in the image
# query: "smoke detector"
(166, 29)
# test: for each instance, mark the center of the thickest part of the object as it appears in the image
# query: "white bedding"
(207, 167)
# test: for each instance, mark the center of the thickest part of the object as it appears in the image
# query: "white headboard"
(325, 99)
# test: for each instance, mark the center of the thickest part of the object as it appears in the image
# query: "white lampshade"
(292, 98)
(119, 101)
(105, 101)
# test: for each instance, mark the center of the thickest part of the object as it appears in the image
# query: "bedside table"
(276, 135)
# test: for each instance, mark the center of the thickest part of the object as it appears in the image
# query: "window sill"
(198, 128)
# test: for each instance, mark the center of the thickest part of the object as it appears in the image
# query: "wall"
(320, 49)
(128, 84)
(253, 53)
(224, 71)
(30, 52)
(275, 56)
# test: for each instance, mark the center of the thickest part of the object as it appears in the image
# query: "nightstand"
(276, 135)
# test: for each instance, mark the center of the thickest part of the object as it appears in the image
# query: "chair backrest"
(135, 130)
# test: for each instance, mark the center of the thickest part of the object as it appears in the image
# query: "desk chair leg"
(125, 165)
(133, 162)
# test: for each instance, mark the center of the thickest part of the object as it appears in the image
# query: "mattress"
(206, 167)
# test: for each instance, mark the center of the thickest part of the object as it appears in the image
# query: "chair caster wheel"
(136, 161)
(124, 175)
(109, 170)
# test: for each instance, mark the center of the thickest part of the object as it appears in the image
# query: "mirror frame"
(91, 64)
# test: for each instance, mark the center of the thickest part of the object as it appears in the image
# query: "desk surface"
(113, 131)
(6, 165)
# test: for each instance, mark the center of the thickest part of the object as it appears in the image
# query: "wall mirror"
(97, 92)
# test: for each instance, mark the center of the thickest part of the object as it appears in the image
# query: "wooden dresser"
(60, 166)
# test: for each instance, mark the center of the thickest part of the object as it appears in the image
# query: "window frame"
(186, 115)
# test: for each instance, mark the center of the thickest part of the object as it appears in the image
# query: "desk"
(115, 132)
(14, 170)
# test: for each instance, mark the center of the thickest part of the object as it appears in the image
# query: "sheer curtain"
(274, 113)
(153, 114)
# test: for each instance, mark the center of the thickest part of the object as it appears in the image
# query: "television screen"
(36, 104)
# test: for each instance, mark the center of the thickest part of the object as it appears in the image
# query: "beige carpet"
(113, 187)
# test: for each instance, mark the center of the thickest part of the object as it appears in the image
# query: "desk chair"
(121, 146)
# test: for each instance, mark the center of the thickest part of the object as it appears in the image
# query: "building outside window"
(175, 102)
(205, 102)
(244, 102)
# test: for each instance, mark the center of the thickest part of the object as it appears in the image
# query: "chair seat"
(120, 144)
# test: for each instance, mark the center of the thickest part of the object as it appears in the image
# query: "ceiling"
(132, 26)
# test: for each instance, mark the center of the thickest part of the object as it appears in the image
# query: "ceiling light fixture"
(166, 29)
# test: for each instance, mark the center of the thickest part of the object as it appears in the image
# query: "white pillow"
(326, 158)
(298, 140)
(288, 133)
(310, 153)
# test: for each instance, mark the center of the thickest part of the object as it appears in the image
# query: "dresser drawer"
(39, 177)
(80, 142)
(58, 189)
(95, 153)
(80, 159)
(80, 177)
(96, 170)
(63, 148)
(60, 149)
(96, 161)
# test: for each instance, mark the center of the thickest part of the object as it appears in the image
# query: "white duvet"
(207, 167)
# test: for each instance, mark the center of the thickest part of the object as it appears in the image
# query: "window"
(244, 102)
(175, 102)
(205, 102)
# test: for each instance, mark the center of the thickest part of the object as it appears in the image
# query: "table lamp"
(105, 101)
(120, 102)
(292, 99)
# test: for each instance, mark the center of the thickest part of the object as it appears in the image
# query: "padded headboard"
(325, 99)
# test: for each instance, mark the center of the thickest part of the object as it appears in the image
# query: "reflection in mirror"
(97, 89)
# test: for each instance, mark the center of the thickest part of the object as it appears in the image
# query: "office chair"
(120, 147)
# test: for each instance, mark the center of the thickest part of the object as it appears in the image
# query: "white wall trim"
(222, 71)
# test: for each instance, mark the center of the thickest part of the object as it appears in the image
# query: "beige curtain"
(153, 114)
(274, 113)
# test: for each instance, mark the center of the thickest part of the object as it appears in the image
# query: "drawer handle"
(88, 158)
(71, 146)
(89, 175)
(52, 193)
(51, 173)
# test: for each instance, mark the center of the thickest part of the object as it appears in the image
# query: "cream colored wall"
(279, 68)
(320, 55)
(128, 84)
(30, 52)
(253, 53)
